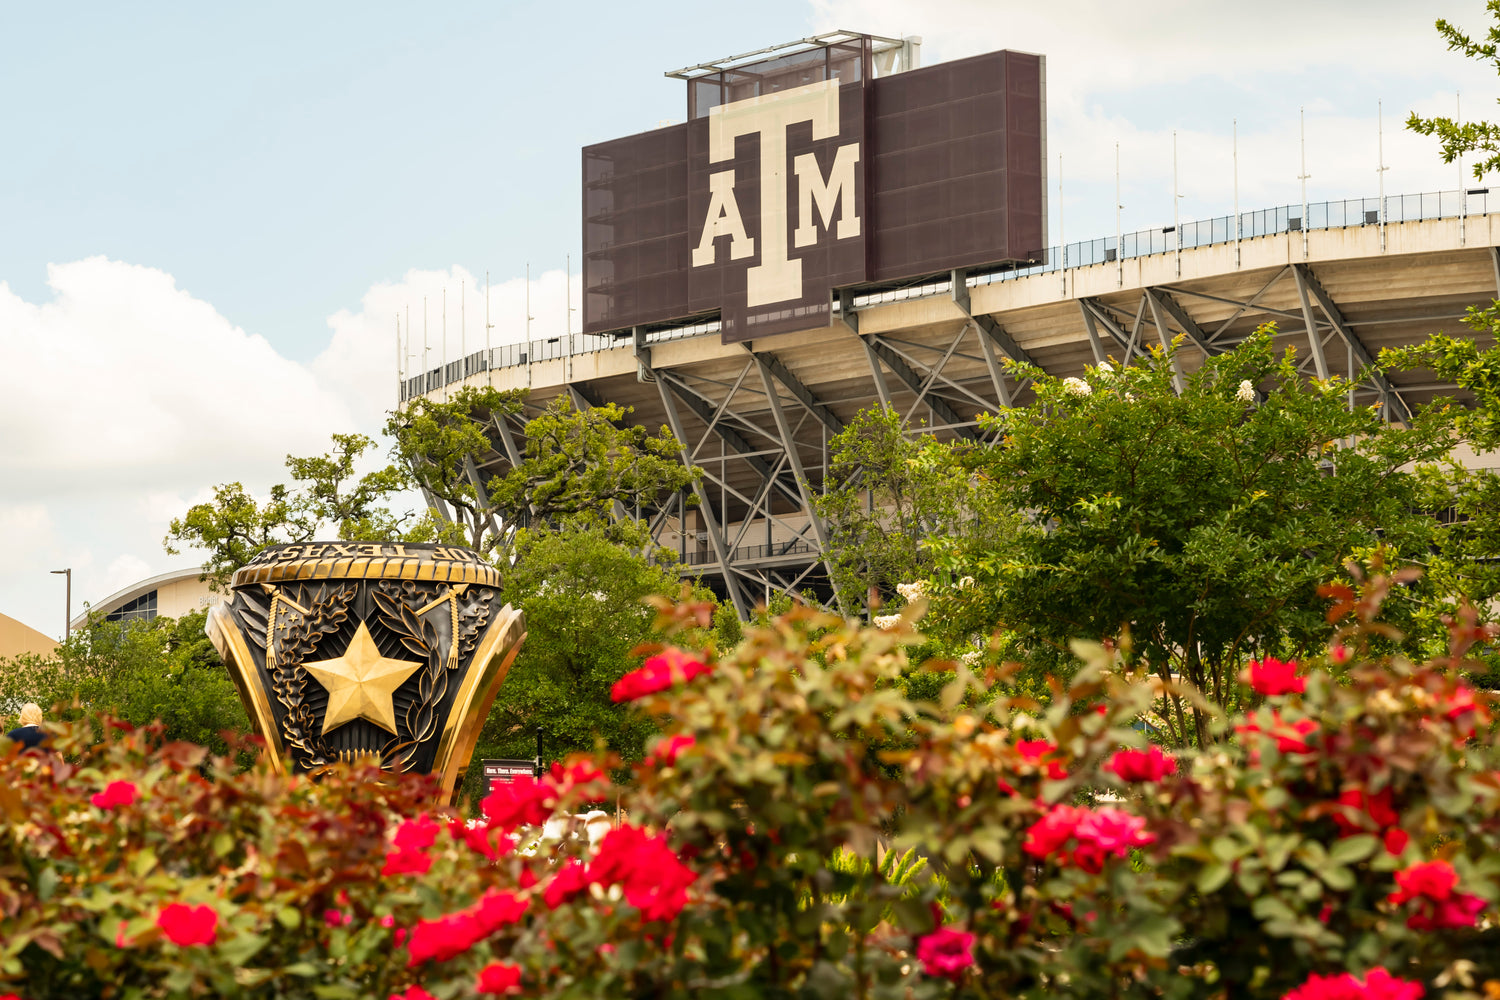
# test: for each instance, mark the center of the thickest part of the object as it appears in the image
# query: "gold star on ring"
(361, 683)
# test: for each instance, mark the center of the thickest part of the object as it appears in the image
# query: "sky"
(212, 216)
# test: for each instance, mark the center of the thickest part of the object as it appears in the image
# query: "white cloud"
(360, 360)
(129, 399)
(1134, 73)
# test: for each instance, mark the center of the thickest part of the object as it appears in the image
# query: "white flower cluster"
(1105, 369)
(886, 621)
(971, 658)
(1076, 387)
(1246, 392)
(912, 591)
(966, 583)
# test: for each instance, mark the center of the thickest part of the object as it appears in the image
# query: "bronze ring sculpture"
(346, 651)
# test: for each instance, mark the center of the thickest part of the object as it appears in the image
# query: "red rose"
(499, 978)
(668, 750)
(406, 863)
(1289, 737)
(497, 909)
(416, 834)
(522, 802)
(659, 672)
(482, 840)
(413, 993)
(1462, 909)
(1040, 751)
(1099, 835)
(115, 794)
(654, 878)
(1377, 985)
(444, 938)
(571, 879)
(946, 952)
(1142, 765)
(1434, 880)
(187, 926)
(1272, 677)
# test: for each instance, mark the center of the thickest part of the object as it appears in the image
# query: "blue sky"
(207, 205)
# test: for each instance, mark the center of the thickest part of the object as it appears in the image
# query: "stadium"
(835, 227)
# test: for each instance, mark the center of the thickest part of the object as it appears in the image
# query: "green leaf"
(241, 948)
(304, 969)
(289, 917)
(1352, 849)
(46, 883)
(143, 862)
(1211, 877)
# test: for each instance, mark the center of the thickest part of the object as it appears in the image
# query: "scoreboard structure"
(834, 227)
(805, 171)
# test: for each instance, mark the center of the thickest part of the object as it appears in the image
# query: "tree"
(1200, 522)
(1457, 138)
(576, 468)
(896, 492)
(163, 669)
(585, 592)
(234, 526)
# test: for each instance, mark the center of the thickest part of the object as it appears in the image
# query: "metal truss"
(758, 426)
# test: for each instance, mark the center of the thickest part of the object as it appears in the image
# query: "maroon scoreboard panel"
(761, 207)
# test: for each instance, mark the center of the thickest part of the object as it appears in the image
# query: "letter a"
(723, 219)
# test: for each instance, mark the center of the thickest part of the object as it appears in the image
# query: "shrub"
(1338, 840)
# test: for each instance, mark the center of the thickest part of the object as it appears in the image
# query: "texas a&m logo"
(826, 197)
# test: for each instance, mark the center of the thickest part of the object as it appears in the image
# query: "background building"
(172, 594)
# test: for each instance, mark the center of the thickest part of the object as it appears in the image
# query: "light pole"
(67, 601)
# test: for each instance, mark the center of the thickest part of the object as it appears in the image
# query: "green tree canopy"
(1202, 521)
(163, 669)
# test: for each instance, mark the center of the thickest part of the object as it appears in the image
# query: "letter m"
(839, 189)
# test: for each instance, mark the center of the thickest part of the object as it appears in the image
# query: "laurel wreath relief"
(289, 624)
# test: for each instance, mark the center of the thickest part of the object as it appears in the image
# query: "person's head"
(31, 714)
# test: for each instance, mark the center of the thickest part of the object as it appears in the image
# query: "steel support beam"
(1178, 382)
(779, 371)
(851, 320)
(704, 410)
(1314, 338)
(908, 376)
(705, 503)
(1169, 305)
(1092, 328)
(1395, 404)
(789, 441)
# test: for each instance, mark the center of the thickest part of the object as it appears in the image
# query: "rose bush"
(1338, 840)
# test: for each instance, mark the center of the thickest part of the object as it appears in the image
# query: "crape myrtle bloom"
(946, 952)
(413, 993)
(402, 862)
(1150, 764)
(658, 673)
(1271, 676)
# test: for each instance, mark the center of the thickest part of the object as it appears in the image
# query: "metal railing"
(1355, 212)
(750, 553)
